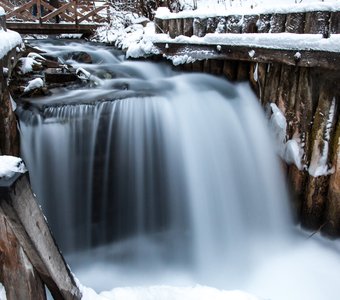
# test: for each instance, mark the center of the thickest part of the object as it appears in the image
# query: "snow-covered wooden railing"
(40, 16)
(306, 37)
(320, 19)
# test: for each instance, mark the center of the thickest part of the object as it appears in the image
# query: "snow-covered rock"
(36, 83)
(9, 40)
(9, 165)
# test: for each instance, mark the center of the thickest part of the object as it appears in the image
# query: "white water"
(175, 183)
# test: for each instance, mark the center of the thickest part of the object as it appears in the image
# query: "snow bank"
(9, 165)
(213, 10)
(34, 84)
(9, 40)
(286, 41)
(164, 292)
(27, 64)
(2, 288)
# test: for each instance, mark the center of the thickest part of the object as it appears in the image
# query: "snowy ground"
(164, 292)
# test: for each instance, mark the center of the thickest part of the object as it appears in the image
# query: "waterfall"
(150, 171)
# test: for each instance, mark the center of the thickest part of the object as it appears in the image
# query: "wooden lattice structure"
(56, 16)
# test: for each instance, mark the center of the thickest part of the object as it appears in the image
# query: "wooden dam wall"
(308, 96)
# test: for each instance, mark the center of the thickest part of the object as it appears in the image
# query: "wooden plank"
(49, 28)
(17, 274)
(29, 226)
(308, 58)
(20, 9)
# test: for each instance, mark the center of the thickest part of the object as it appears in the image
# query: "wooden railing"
(74, 11)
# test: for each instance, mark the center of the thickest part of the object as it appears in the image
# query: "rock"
(81, 57)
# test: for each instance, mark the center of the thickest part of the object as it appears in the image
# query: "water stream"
(152, 177)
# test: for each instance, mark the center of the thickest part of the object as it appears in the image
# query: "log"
(234, 24)
(173, 28)
(30, 228)
(295, 23)
(199, 27)
(306, 58)
(221, 25)
(20, 279)
(332, 226)
(211, 25)
(277, 23)
(9, 137)
(317, 22)
(316, 191)
(159, 25)
(272, 83)
(243, 71)
(249, 23)
(188, 26)
(335, 22)
(263, 23)
(230, 69)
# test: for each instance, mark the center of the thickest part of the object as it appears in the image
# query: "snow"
(34, 84)
(9, 40)
(2, 288)
(290, 151)
(251, 53)
(164, 292)
(213, 10)
(35, 56)
(284, 40)
(83, 74)
(9, 165)
(27, 64)
(256, 72)
(2, 11)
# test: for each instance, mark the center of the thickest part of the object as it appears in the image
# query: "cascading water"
(151, 177)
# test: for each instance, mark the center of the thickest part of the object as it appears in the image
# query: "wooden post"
(335, 22)
(295, 23)
(18, 276)
(30, 228)
(249, 24)
(75, 3)
(39, 14)
(277, 23)
(9, 137)
(263, 24)
(332, 226)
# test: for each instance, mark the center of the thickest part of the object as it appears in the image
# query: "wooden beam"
(51, 28)
(59, 11)
(92, 13)
(17, 274)
(29, 226)
(305, 58)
